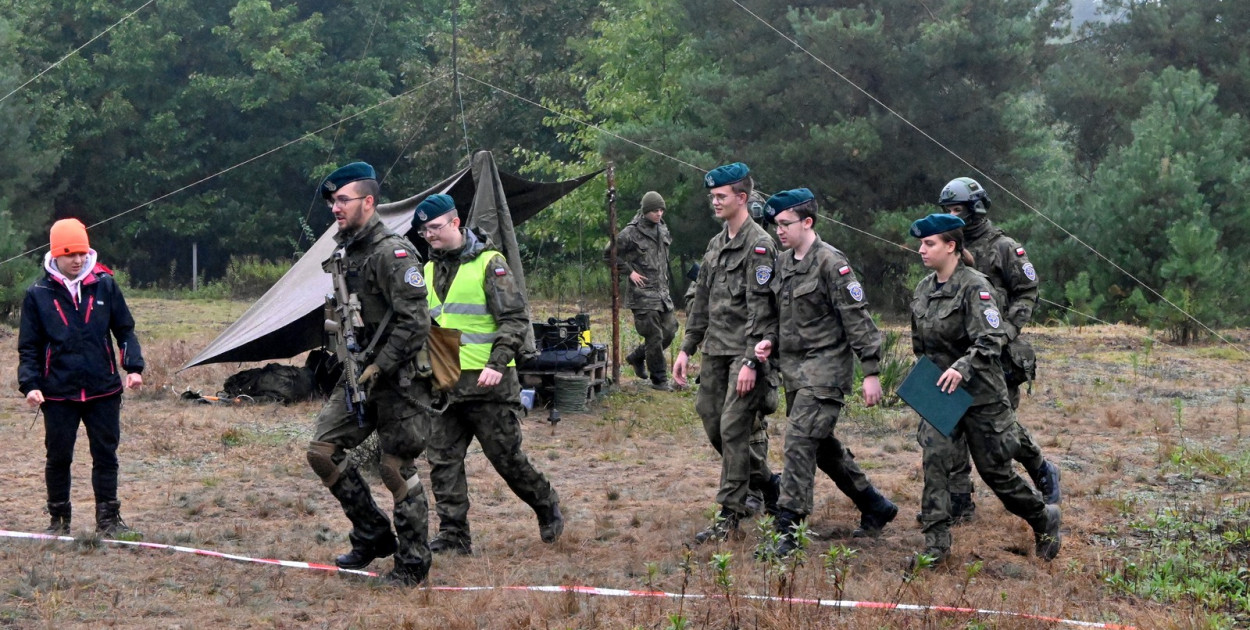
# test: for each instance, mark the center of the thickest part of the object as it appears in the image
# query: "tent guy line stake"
(584, 590)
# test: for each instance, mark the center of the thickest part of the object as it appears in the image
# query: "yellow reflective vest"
(465, 310)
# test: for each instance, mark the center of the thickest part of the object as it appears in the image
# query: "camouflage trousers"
(989, 433)
(657, 329)
(1029, 455)
(737, 431)
(811, 445)
(403, 428)
(497, 427)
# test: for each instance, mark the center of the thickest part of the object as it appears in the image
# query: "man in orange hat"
(68, 367)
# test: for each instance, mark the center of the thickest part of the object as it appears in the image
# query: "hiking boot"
(60, 513)
(406, 575)
(108, 519)
(725, 525)
(1049, 538)
(963, 508)
(663, 386)
(639, 364)
(444, 544)
(772, 494)
(938, 555)
(871, 523)
(1046, 480)
(550, 524)
(360, 557)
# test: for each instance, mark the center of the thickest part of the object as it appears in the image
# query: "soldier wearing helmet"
(1004, 261)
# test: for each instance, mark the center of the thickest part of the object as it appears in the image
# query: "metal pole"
(195, 267)
(616, 278)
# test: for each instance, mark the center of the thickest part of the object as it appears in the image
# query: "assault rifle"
(342, 318)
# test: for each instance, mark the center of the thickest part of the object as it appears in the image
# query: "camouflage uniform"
(959, 325)
(1007, 267)
(492, 415)
(382, 269)
(823, 319)
(732, 299)
(643, 247)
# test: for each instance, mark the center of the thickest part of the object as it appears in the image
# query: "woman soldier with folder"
(957, 325)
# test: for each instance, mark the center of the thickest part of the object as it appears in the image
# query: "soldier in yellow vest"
(474, 291)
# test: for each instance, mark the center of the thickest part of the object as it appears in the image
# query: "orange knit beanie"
(69, 236)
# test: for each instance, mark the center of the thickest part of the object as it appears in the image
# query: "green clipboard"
(920, 391)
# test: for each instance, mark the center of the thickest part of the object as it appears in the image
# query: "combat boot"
(639, 363)
(725, 525)
(360, 557)
(60, 513)
(871, 523)
(550, 523)
(1048, 538)
(937, 555)
(408, 574)
(444, 544)
(963, 508)
(1046, 480)
(108, 519)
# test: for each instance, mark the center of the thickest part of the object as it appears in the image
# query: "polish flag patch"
(844, 269)
(401, 253)
(501, 271)
(1019, 251)
(985, 295)
(761, 250)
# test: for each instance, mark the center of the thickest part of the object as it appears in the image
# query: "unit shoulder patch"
(763, 274)
(1029, 271)
(992, 316)
(856, 291)
(414, 278)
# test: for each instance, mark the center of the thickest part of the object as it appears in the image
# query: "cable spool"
(570, 392)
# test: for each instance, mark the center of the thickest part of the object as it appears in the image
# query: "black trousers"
(102, 418)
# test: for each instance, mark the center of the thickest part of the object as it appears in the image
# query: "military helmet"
(965, 190)
(757, 203)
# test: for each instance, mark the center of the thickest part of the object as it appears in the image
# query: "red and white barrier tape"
(591, 590)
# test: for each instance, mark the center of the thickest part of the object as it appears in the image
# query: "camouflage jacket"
(505, 301)
(1005, 263)
(384, 272)
(822, 319)
(643, 247)
(959, 325)
(733, 303)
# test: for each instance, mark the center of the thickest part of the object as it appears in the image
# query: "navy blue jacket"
(64, 350)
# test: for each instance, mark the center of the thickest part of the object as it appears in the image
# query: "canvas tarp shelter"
(288, 319)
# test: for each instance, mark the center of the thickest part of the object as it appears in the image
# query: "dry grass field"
(1152, 440)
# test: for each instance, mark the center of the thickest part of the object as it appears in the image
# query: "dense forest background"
(1117, 126)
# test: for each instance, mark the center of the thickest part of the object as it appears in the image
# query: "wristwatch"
(751, 363)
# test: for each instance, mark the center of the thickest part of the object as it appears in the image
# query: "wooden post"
(616, 278)
(195, 267)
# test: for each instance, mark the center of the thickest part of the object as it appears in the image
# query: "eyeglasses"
(787, 224)
(342, 201)
(720, 197)
(427, 230)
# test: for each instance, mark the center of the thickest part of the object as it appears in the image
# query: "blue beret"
(345, 175)
(432, 207)
(936, 224)
(785, 200)
(726, 175)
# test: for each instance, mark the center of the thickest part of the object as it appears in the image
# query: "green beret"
(936, 224)
(432, 207)
(345, 175)
(651, 202)
(726, 175)
(785, 200)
